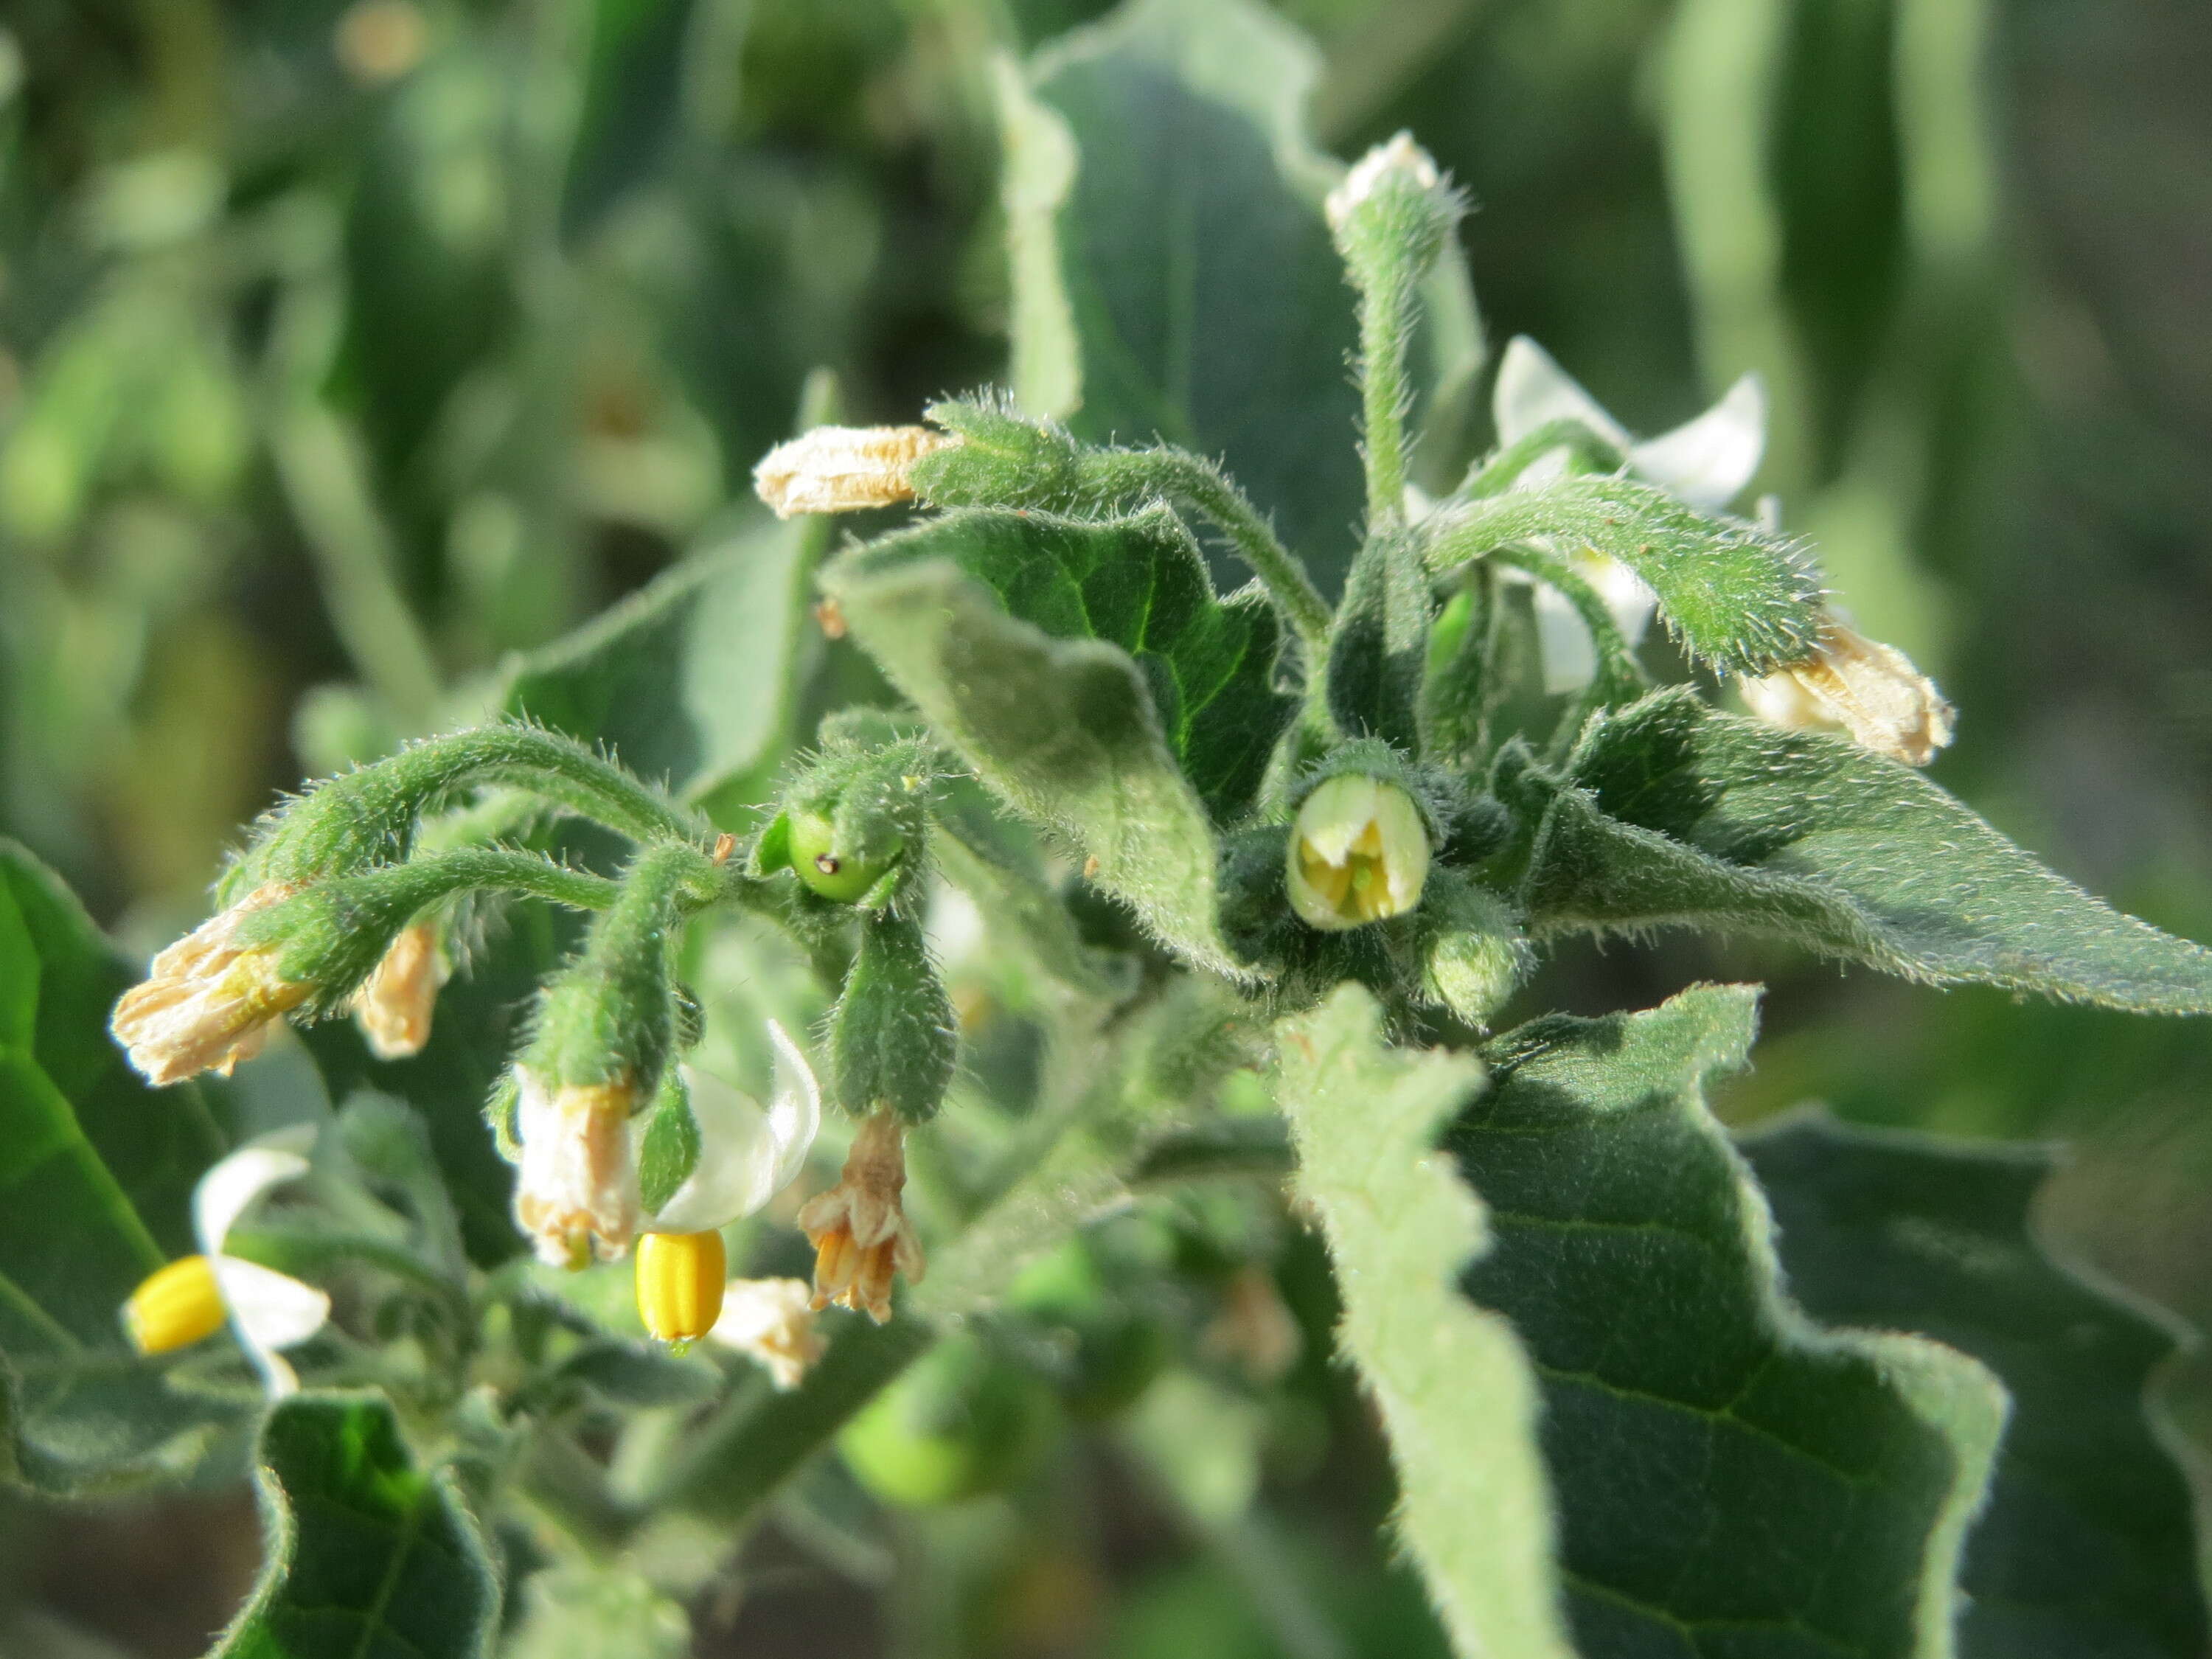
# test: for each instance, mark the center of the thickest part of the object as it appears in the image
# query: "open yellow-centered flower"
(1358, 853)
(192, 1298)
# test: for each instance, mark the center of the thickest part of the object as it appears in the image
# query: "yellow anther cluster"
(680, 1280)
(175, 1307)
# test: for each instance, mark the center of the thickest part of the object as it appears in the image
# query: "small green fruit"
(844, 880)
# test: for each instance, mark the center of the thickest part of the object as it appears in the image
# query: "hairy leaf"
(1453, 1382)
(1677, 814)
(367, 1553)
(2085, 1546)
(1743, 598)
(1063, 730)
(1172, 274)
(1141, 583)
(96, 1193)
(661, 679)
(1730, 1478)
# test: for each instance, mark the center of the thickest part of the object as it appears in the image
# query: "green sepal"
(669, 1151)
(772, 849)
(892, 1039)
(1003, 460)
(1477, 954)
(1379, 648)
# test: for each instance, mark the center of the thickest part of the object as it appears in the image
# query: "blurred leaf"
(1678, 815)
(1140, 583)
(1476, 1512)
(2085, 1544)
(1725, 1471)
(1172, 274)
(1063, 730)
(95, 1194)
(575, 1611)
(367, 1554)
(1019, 904)
(633, 1374)
(662, 679)
(1740, 597)
(476, 1024)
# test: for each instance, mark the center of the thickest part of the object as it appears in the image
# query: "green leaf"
(658, 678)
(1065, 730)
(1743, 599)
(1675, 814)
(367, 1553)
(1172, 275)
(1140, 583)
(95, 1194)
(2085, 1546)
(1453, 1382)
(1730, 1477)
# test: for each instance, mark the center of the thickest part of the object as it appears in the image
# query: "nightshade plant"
(1266, 871)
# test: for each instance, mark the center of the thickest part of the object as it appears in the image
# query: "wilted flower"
(394, 1004)
(1705, 462)
(860, 1232)
(577, 1187)
(190, 1297)
(843, 468)
(771, 1320)
(1358, 853)
(208, 1001)
(1861, 687)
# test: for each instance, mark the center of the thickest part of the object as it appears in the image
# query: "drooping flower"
(1705, 462)
(394, 1004)
(1863, 688)
(1358, 853)
(746, 1154)
(771, 1321)
(843, 468)
(192, 1296)
(576, 1190)
(208, 1000)
(859, 1228)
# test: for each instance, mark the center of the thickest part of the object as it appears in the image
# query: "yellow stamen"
(680, 1280)
(175, 1307)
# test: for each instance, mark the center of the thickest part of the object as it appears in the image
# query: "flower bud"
(1358, 853)
(679, 1284)
(1861, 687)
(176, 1307)
(1394, 200)
(843, 468)
(210, 999)
(394, 1004)
(771, 1322)
(577, 1187)
(892, 1037)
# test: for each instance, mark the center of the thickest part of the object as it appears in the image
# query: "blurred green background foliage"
(347, 349)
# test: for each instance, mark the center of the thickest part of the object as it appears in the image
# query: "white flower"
(771, 1322)
(1398, 157)
(1705, 462)
(1358, 853)
(748, 1152)
(189, 1298)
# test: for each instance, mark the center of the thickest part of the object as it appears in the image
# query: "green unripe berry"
(839, 876)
